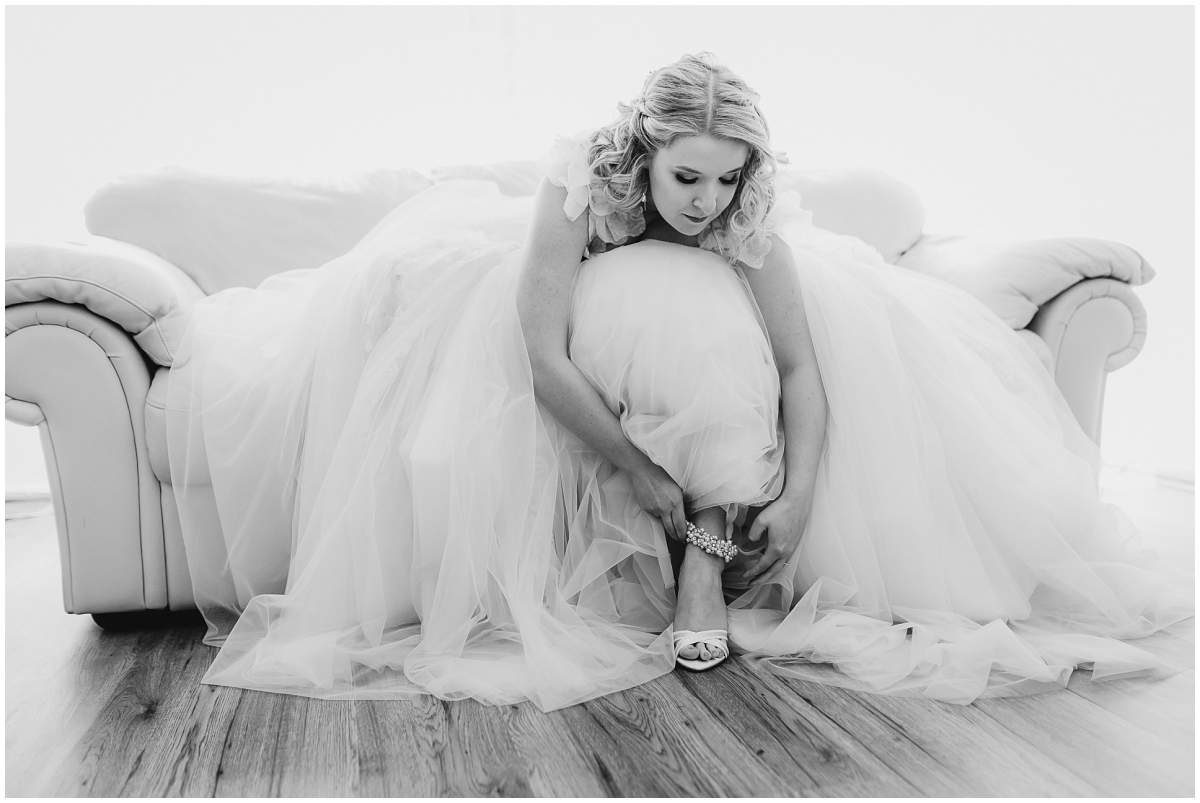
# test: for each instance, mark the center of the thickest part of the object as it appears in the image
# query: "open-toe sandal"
(717, 639)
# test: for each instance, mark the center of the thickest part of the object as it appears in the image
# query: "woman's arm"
(777, 291)
(544, 290)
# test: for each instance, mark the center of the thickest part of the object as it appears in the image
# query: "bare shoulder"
(780, 253)
(778, 272)
(550, 263)
(551, 233)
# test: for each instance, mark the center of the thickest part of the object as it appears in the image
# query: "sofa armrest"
(83, 382)
(1092, 328)
(140, 292)
(1014, 280)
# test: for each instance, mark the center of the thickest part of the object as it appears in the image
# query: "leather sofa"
(91, 327)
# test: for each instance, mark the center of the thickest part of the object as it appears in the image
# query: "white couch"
(92, 326)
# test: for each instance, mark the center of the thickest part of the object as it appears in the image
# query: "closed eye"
(728, 182)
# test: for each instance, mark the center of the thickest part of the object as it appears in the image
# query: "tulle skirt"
(374, 504)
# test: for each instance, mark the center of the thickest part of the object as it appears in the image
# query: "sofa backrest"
(231, 232)
(235, 232)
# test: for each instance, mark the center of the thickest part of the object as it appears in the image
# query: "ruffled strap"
(788, 208)
(752, 252)
(567, 165)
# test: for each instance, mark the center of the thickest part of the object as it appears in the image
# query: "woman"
(456, 460)
(692, 177)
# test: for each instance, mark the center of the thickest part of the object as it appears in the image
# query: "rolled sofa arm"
(1092, 328)
(1015, 279)
(138, 291)
(85, 323)
(82, 380)
(1074, 295)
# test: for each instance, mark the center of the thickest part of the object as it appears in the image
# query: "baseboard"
(1175, 479)
(26, 502)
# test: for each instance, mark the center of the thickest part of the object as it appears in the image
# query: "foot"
(700, 616)
(710, 642)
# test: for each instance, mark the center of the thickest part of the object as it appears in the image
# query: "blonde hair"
(695, 95)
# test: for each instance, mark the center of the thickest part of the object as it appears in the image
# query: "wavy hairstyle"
(695, 95)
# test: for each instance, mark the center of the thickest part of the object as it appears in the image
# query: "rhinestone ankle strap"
(698, 536)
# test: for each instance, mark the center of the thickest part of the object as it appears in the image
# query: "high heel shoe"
(688, 638)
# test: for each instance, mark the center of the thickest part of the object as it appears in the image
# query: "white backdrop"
(1009, 121)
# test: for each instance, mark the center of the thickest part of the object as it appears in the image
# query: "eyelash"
(728, 183)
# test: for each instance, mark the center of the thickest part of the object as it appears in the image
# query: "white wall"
(1010, 121)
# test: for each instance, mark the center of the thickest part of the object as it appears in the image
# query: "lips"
(695, 219)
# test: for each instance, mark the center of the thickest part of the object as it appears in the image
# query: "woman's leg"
(700, 602)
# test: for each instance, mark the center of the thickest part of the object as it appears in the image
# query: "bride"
(547, 449)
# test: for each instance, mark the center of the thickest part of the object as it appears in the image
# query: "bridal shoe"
(715, 639)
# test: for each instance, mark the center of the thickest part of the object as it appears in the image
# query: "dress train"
(374, 505)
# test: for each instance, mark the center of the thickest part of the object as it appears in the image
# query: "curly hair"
(693, 96)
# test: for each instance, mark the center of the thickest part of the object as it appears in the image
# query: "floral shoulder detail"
(749, 253)
(567, 165)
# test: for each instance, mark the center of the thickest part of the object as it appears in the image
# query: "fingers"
(771, 565)
(675, 524)
(680, 522)
(756, 529)
(764, 564)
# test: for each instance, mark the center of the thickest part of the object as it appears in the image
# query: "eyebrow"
(687, 169)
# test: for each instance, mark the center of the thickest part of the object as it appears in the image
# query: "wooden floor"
(90, 713)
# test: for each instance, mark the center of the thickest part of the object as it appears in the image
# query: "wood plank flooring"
(90, 713)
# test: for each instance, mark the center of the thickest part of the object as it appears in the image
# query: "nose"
(705, 203)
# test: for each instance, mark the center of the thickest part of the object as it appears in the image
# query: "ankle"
(708, 528)
(697, 561)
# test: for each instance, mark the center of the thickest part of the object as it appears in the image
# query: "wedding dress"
(374, 505)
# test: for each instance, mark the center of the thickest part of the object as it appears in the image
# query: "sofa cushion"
(1014, 280)
(140, 292)
(234, 232)
(512, 178)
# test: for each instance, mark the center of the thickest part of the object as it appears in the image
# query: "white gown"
(374, 505)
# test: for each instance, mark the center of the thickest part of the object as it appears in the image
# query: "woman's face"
(694, 179)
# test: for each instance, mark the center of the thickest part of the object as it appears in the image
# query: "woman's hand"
(661, 497)
(783, 522)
